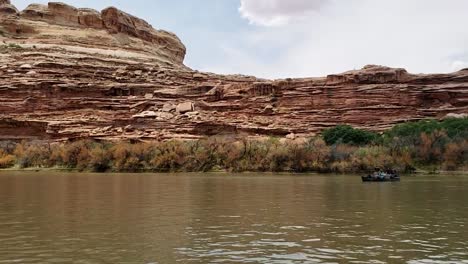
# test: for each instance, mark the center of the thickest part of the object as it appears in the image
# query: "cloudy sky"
(298, 38)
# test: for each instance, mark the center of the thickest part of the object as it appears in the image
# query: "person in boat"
(382, 175)
(377, 173)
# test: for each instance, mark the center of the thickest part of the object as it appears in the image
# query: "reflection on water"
(143, 218)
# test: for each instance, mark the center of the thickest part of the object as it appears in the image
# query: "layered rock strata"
(69, 73)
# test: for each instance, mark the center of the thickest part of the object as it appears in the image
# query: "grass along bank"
(425, 145)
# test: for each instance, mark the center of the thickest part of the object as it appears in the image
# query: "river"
(52, 217)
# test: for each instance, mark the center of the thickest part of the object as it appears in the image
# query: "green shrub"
(348, 135)
(454, 127)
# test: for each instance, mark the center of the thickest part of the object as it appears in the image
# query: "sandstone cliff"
(68, 73)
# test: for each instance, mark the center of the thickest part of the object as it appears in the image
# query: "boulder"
(164, 116)
(192, 115)
(455, 115)
(138, 72)
(215, 94)
(129, 128)
(146, 114)
(269, 109)
(169, 108)
(139, 105)
(185, 107)
(25, 66)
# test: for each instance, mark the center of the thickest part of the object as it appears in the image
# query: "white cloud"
(338, 35)
(459, 65)
(278, 12)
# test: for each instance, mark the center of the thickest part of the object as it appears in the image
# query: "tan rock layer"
(110, 19)
(63, 83)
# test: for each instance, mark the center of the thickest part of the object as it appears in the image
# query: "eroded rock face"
(63, 13)
(90, 18)
(116, 21)
(118, 24)
(6, 8)
(370, 74)
(76, 77)
(35, 11)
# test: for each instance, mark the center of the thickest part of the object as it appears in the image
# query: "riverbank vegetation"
(428, 145)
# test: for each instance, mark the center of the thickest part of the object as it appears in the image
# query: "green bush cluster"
(441, 145)
(453, 127)
(349, 135)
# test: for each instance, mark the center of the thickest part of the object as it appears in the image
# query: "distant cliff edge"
(69, 73)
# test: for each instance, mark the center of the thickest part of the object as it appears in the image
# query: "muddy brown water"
(52, 217)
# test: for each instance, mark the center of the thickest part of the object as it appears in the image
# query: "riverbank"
(69, 170)
(428, 146)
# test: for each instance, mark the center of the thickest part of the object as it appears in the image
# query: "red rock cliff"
(79, 73)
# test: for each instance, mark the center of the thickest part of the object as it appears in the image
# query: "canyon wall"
(70, 73)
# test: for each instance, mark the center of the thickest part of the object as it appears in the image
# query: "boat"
(388, 178)
(380, 176)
